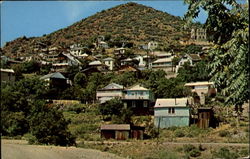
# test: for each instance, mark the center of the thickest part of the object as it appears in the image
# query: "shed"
(115, 131)
(205, 118)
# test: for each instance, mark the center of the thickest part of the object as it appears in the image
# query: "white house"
(109, 92)
(109, 62)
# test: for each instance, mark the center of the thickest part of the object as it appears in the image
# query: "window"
(145, 104)
(133, 104)
(171, 110)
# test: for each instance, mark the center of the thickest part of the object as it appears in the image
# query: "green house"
(171, 112)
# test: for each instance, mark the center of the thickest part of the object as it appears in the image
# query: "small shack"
(115, 131)
(122, 132)
(205, 118)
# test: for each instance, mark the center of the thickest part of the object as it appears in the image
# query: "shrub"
(195, 153)
(224, 133)
(188, 148)
(179, 133)
(225, 154)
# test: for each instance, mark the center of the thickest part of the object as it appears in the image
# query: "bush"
(188, 148)
(195, 153)
(224, 133)
(179, 133)
(225, 154)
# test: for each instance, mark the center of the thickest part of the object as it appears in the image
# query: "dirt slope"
(12, 149)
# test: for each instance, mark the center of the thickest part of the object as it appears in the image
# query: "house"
(171, 112)
(139, 99)
(152, 45)
(202, 89)
(63, 61)
(115, 131)
(110, 62)
(119, 51)
(55, 80)
(164, 64)
(121, 131)
(7, 75)
(129, 61)
(191, 58)
(76, 50)
(161, 54)
(126, 68)
(110, 91)
(103, 44)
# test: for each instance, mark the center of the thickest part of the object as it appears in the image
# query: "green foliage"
(48, 125)
(228, 29)
(179, 133)
(31, 66)
(111, 107)
(224, 133)
(192, 49)
(191, 150)
(225, 153)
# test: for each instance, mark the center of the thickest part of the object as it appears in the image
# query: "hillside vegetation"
(131, 22)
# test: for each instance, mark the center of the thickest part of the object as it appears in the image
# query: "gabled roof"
(127, 68)
(127, 60)
(204, 83)
(95, 63)
(194, 57)
(108, 59)
(171, 102)
(137, 87)
(53, 75)
(113, 86)
(116, 127)
(7, 70)
(163, 60)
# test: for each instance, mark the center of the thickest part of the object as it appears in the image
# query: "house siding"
(179, 118)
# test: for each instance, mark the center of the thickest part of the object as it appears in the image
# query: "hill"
(131, 22)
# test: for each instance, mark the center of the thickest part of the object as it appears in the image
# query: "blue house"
(171, 112)
(139, 99)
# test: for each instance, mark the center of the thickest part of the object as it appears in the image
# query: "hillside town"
(120, 91)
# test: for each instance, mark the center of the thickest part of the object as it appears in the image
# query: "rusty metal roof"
(116, 127)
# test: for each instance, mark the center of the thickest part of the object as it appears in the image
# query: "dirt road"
(18, 149)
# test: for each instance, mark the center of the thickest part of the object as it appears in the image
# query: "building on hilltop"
(198, 34)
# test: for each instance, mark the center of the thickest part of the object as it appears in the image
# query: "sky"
(36, 18)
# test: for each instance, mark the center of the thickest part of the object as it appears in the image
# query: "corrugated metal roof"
(95, 63)
(204, 83)
(7, 70)
(115, 127)
(171, 102)
(163, 60)
(53, 75)
(108, 59)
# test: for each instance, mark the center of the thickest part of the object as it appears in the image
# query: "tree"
(227, 26)
(49, 126)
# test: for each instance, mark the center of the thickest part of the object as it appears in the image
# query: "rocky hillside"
(133, 22)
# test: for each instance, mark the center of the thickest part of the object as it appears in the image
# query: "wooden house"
(55, 80)
(7, 75)
(205, 118)
(139, 99)
(109, 92)
(127, 68)
(122, 131)
(115, 131)
(164, 64)
(171, 112)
